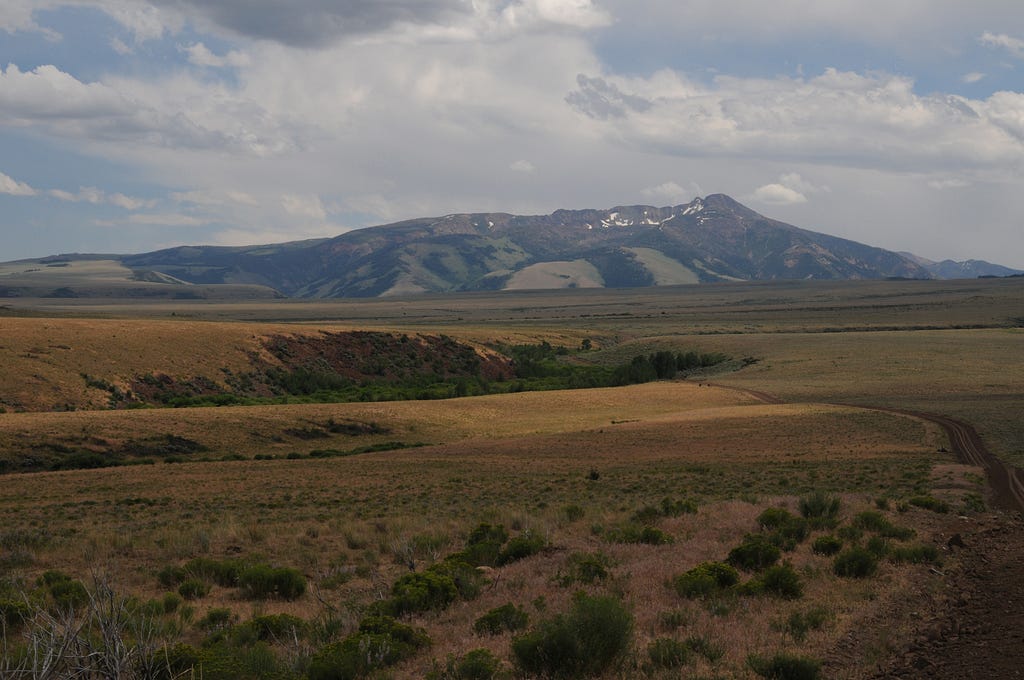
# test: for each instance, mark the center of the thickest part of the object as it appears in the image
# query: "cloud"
(837, 117)
(580, 14)
(790, 189)
(948, 183)
(166, 220)
(98, 197)
(523, 166)
(670, 192)
(1014, 46)
(177, 112)
(778, 194)
(13, 187)
(200, 55)
(304, 206)
(597, 98)
(973, 77)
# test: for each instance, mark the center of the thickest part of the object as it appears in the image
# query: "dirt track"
(973, 626)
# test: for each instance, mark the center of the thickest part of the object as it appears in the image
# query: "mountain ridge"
(709, 239)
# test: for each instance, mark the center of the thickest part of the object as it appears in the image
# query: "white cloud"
(670, 192)
(97, 197)
(947, 183)
(973, 77)
(523, 166)
(1014, 46)
(582, 14)
(13, 187)
(166, 220)
(304, 206)
(837, 117)
(200, 55)
(778, 194)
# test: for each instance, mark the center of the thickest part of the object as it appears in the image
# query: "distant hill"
(967, 269)
(710, 239)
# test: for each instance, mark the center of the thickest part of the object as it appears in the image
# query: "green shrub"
(781, 580)
(171, 576)
(929, 503)
(633, 533)
(755, 553)
(224, 573)
(379, 642)
(468, 581)
(668, 653)
(826, 545)
(855, 562)
(587, 641)
(783, 666)
(507, 617)
(170, 602)
(476, 664)
(484, 545)
(68, 593)
(277, 627)
(773, 518)
(877, 546)
(675, 508)
(218, 617)
(14, 612)
(915, 554)
(703, 646)
(820, 509)
(585, 568)
(193, 589)
(525, 545)
(706, 579)
(420, 592)
(262, 582)
(800, 623)
(871, 520)
(790, 533)
(573, 513)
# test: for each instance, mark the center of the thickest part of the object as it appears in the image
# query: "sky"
(133, 125)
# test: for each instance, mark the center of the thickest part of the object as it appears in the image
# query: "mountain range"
(710, 239)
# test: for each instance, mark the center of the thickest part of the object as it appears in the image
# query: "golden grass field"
(352, 523)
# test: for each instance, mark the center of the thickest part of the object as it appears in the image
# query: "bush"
(820, 509)
(466, 578)
(871, 520)
(476, 664)
(573, 513)
(218, 617)
(790, 533)
(877, 546)
(782, 581)
(705, 579)
(706, 648)
(668, 653)
(930, 503)
(193, 589)
(170, 602)
(525, 545)
(826, 545)
(14, 612)
(773, 518)
(855, 562)
(675, 508)
(783, 666)
(632, 533)
(800, 623)
(224, 573)
(915, 554)
(585, 568)
(755, 553)
(171, 576)
(507, 617)
(484, 545)
(277, 627)
(587, 641)
(379, 642)
(421, 592)
(262, 582)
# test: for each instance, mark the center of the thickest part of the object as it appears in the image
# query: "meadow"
(616, 493)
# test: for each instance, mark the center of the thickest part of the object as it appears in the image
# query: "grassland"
(575, 468)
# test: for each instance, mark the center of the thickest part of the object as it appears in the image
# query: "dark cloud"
(313, 23)
(600, 99)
